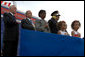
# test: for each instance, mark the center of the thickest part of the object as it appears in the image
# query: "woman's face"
(76, 26)
(43, 15)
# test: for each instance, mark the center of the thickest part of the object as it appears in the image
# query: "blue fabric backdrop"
(33, 43)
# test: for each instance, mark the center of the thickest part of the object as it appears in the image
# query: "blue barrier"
(34, 43)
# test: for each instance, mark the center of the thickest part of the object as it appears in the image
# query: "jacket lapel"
(28, 21)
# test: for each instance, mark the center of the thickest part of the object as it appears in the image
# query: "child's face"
(76, 26)
(64, 26)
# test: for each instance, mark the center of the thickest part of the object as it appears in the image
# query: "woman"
(42, 25)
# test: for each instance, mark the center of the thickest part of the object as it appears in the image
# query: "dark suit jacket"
(26, 24)
(53, 26)
(11, 27)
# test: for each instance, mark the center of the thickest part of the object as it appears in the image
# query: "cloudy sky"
(69, 10)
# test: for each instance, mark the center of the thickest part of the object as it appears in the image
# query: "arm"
(26, 26)
(72, 33)
(79, 35)
(50, 25)
(59, 32)
(67, 33)
(38, 25)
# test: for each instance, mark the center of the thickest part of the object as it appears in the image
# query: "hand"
(66, 33)
(46, 26)
(79, 35)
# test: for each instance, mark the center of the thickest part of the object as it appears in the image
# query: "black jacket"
(11, 27)
(53, 25)
(26, 24)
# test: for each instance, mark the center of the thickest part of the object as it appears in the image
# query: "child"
(62, 28)
(75, 26)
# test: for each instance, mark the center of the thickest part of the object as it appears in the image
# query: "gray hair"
(11, 6)
(27, 12)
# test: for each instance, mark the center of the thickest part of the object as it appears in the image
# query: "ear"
(54, 17)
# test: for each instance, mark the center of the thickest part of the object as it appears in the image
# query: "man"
(11, 33)
(42, 25)
(53, 22)
(27, 23)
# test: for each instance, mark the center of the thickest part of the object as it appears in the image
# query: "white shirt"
(63, 32)
(76, 32)
(11, 13)
(31, 22)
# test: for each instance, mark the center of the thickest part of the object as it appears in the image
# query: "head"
(12, 9)
(62, 25)
(55, 15)
(75, 25)
(42, 14)
(28, 14)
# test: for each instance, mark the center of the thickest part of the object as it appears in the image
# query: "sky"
(69, 11)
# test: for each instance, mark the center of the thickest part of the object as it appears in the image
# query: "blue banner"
(34, 43)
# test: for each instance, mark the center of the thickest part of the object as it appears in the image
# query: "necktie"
(32, 23)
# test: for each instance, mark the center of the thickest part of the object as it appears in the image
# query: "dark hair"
(41, 11)
(74, 22)
(60, 24)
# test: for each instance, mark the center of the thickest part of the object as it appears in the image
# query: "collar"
(11, 13)
(54, 20)
(28, 19)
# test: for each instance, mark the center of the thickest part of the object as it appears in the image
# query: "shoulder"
(49, 21)
(5, 14)
(52, 20)
(38, 21)
(23, 20)
(78, 32)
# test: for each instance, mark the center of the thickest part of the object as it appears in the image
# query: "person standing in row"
(11, 33)
(27, 23)
(75, 26)
(53, 22)
(42, 25)
(62, 28)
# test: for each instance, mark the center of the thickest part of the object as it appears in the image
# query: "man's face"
(57, 17)
(29, 14)
(13, 9)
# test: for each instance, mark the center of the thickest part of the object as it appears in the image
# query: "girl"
(75, 26)
(62, 28)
